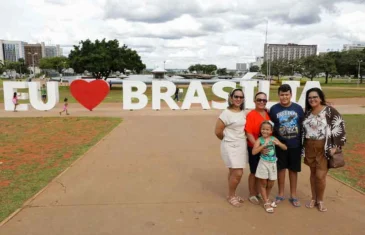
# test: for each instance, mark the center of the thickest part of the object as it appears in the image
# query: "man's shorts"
(289, 159)
(266, 170)
(253, 160)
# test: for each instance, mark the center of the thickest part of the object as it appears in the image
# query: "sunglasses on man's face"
(261, 100)
(238, 97)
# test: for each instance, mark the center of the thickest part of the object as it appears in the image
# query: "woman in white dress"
(229, 129)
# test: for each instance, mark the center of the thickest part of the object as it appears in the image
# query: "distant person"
(266, 170)
(44, 93)
(65, 107)
(15, 101)
(177, 94)
(323, 134)
(287, 118)
(230, 130)
(253, 124)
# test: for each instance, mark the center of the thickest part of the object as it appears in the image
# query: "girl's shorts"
(266, 170)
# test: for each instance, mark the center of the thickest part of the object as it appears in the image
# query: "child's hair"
(65, 100)
(266, 122)
(14, 96)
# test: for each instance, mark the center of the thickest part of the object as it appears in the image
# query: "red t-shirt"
(253, 123)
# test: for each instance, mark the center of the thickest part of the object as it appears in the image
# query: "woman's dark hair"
(260, 93)
(14, 95)
(65, 100)
(284, 88)
(320, 94)
(230, 104)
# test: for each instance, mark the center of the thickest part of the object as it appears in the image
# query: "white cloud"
(189, 31)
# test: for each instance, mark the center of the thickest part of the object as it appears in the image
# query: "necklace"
(262, 113)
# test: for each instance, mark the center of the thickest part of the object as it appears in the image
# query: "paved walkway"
(160, 172)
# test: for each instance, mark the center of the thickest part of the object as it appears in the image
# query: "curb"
(25, 204)
(346, 184)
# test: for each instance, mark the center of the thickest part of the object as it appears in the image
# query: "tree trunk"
(326, 78)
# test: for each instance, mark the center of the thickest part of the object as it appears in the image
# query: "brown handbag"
(336, 160)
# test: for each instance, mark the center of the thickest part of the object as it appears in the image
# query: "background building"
(288, 51)
(259, 61)
(30, 49)
(241, 66)
(349, 47)
(53, 51)
(11, 50)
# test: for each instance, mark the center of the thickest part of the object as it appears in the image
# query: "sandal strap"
(234, 201)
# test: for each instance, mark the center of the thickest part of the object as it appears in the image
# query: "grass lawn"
(354, 171)
(35, 150)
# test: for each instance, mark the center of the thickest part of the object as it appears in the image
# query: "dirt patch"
(356, 165)
(35, 150)
(36, 140)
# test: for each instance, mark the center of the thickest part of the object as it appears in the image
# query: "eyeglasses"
(261, 100)
(238, 97)
(312, 97)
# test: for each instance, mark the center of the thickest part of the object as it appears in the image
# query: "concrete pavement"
(160, 172)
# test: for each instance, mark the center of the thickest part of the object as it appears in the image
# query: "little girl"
(15, 101)
(266, 170)
(65, 107)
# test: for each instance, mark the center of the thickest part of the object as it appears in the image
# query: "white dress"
(234, 145)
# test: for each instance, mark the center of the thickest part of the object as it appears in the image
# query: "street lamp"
(164, 64)
(33, 54)
(358, 77)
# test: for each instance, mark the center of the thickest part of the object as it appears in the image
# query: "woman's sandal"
(268, 208)
(240, 199)
(295, 202)
(254, 200)
(321, 207)
(279, 199)
(234, 201)
(311, 204)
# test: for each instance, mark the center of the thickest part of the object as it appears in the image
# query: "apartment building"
(11, 50)
(288, 51)
(357, 47)
(33, 49)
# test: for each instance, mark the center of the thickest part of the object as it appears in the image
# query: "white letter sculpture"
(9, 89)
(195, 86)
(217, 90)
(157, 96)
(35, 96)
(248, 90)
(128, 94)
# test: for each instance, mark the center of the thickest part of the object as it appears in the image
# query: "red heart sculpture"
(89, 94)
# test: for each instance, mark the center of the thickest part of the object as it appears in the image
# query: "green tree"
(280, 67)
(327, 64)
(57, 63)
(103, 57)
(203, 68)
(222, 71)
(254, 68)
(2, 67)
(310, 66)
(18, 66)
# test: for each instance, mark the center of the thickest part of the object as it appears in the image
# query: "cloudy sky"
(185, 32)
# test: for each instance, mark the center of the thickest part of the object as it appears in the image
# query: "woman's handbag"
(336, 160)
